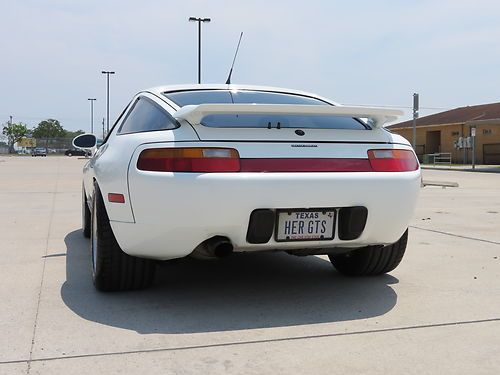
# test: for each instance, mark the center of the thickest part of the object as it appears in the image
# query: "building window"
(486, 131)
(455, 134)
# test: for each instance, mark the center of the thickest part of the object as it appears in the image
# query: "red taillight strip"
(194, 159)
(196, 165)
(224, 160)
(305, 165)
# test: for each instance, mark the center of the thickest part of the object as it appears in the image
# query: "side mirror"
(85, 141)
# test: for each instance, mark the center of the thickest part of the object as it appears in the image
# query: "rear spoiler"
(378, 116)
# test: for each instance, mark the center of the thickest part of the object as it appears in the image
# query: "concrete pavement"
(438, 312)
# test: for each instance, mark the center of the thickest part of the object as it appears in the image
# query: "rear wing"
(377, 116)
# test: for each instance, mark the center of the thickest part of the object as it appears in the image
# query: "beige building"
(447, 132)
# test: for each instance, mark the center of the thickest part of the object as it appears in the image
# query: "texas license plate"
(305, 225)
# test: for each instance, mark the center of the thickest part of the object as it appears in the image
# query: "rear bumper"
(174, 213)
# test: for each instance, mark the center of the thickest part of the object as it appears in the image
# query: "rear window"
(195, 97)
(182, 98)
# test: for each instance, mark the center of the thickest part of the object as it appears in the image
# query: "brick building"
(445, 132)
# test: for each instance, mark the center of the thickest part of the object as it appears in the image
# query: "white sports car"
(207, 170)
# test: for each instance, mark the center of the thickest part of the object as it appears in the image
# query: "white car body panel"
(110, 169)
(172, 236)
(167, 215)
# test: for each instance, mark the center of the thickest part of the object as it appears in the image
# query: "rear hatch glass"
(294, 128)
(280, 121)
(182, 98)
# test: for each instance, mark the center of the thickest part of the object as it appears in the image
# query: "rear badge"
(300, 132)
(304, 145)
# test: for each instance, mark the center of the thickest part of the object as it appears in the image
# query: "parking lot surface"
(437, 313)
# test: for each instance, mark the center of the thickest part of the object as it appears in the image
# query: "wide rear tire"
(112, 269)
(86, 216)
(371, 260)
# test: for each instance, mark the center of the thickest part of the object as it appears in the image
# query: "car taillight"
(199, 160)
(390, 160)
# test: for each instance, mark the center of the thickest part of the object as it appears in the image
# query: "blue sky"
(356, 52)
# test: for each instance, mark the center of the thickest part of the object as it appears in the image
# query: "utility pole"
(199, 20)
(92, 100)
(11, 150)
(107, 98)
(415, 117)
(473, 141)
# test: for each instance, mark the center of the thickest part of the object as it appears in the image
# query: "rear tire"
(112, 269)
(371, 260)
(86, 215)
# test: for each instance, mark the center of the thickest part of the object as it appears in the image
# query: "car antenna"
(228, 81)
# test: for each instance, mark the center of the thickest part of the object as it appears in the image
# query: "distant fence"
(54, 145)
(438, 159)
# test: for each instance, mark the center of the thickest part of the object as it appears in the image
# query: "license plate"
(305, 225)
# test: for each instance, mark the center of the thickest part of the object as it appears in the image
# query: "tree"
(72, 135)
(49, 128)
(14, 133)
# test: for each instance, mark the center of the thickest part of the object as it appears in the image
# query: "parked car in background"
(39, 151)
(205, 170)
(76, 152)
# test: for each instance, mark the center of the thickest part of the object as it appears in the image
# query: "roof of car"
(188, 87)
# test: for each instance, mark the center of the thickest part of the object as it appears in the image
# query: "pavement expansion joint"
(52, 210)
(252, 342)
(456, 235)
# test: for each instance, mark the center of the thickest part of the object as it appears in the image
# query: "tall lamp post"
(200, 21)
(92, 100)
(107, 99)
(415, 117)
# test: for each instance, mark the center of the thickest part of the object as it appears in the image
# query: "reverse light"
(195, 159)
(390, 160)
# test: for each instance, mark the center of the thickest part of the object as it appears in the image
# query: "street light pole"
(199, 20)
(92, 100)
(11, 150)
(107, 99)
(415, 117)
(473, 139)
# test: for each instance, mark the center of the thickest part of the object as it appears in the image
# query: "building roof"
(458, 115)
